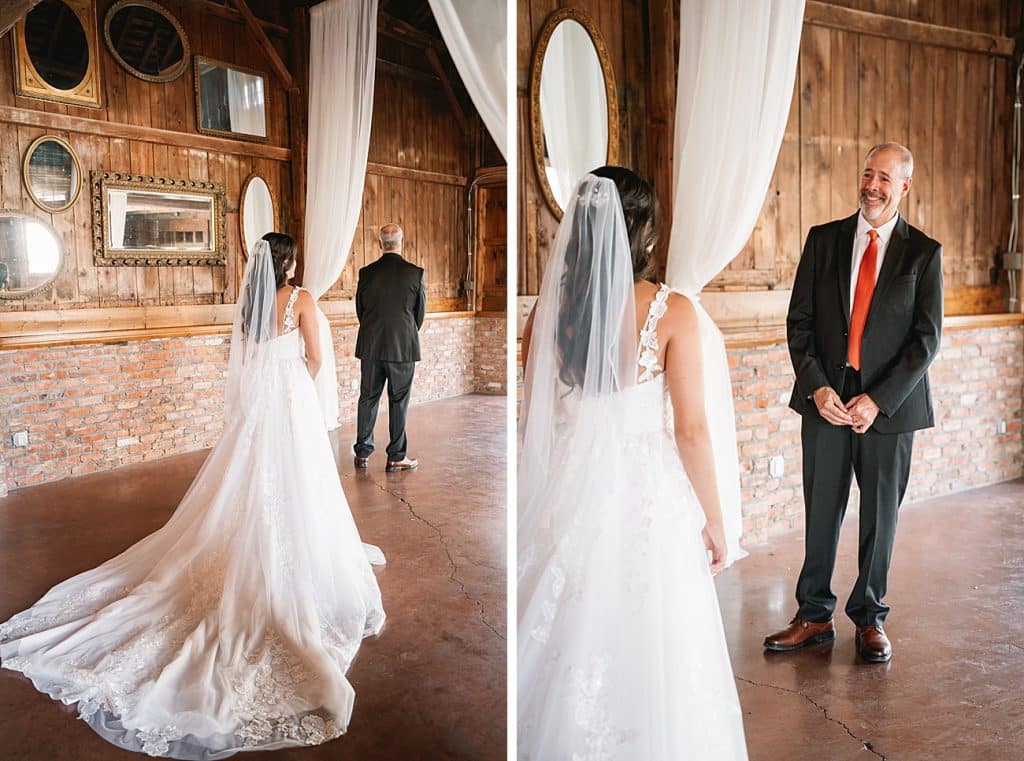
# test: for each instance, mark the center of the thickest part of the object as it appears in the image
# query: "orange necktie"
(862, 299)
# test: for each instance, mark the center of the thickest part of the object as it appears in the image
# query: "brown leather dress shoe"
(361, 462)
(407, 463)
(873, 645)
(800, 634)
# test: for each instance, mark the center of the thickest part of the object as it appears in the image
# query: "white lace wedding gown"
(230, 628)
(622, 653)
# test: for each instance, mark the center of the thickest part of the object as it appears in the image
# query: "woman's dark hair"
(282, 251)
(640, 209)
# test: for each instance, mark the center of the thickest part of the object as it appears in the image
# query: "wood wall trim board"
(62, 122)
(71, 327)
(889, 27)
(384, 170)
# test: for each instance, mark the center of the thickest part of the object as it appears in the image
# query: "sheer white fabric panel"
(737, 63)
(574, 111)
(474, 32)
(342, 64)
(246, 103)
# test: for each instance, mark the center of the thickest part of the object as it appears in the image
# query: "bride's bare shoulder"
(680, 316)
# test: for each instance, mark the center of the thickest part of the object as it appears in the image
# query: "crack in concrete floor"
(453, 576)
(864, 743)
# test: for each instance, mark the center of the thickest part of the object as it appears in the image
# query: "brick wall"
(490, 356)
(977, 381)
(94, 407)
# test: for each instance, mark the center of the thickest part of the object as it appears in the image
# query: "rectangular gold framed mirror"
(231, 101)
(142, 220)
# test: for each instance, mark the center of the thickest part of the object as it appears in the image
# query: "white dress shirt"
(860, 245)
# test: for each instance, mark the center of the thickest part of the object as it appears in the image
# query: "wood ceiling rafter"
(230, 14)
(264, 42)
(12, 11)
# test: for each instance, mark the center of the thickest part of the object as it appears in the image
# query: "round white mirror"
(31, 255)
(573, 105)
(258, 212)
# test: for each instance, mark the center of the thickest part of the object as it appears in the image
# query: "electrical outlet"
(19, 439)
(776, 466)
(1001, 428)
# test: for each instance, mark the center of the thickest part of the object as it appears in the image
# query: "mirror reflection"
(573, 108)
(57, 44)
(144, 219)
(146, 40)
(52, 174)
(230, 99)
(257, 212)
(31, 255)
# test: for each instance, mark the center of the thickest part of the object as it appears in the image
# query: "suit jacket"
(391, 302)
(901, 335)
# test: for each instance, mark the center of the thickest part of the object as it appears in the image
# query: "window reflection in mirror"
(52, 173)
(258, 214)
(230, 99)
(31, 255)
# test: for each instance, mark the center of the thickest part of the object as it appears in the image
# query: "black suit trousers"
(881, 462)
(398, 376)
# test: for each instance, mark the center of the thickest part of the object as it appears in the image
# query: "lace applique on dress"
(649, 347)
(289, 313)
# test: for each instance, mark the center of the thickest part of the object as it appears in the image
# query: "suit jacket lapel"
(890, 264)
(844, 260)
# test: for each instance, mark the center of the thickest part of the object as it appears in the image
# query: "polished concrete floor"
(954, 689)
(431, 686)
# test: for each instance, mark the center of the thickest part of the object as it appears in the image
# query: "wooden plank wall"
(953, 108)
(165, 106)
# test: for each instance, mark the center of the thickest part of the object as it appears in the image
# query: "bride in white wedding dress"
(232, 627)
(621, 650)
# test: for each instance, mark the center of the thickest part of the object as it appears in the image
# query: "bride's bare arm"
(528, 335)
(306, 308)
(684, 373)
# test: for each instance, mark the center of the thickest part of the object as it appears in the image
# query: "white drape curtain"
(474, 32)
(246, 103)
(737, 63)
(342, 64)
(574, 111)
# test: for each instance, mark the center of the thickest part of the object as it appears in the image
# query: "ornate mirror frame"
(186, 50)
(197, 60)
(28, 186)
(29, 82)
(105, 256)
(241, 209)
(62, 251)
(536, 127)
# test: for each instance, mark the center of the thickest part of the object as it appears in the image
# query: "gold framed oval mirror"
(257, 212)
(56, 53)
(52, 174)
(574, 114)
(146, 40)
(31, 255)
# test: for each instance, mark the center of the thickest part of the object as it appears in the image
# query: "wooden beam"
(446, 84)
(889, 27)
(397, 29)
(421, 175)
(264, 42)
(230, 14)
(298, 130)
(408, 72)
(33, 118)
(11, 12)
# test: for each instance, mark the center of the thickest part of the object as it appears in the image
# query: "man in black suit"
(864, 324)
(391, 301)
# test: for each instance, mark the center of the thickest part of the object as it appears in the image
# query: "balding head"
(391, 238)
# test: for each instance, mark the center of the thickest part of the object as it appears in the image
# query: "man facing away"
(391, 301)
(864, 324)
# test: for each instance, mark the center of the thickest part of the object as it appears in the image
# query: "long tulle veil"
(254, 326)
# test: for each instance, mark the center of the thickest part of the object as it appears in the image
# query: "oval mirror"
(57, 44)
(258, 212)
(31, 255)
(573, 106)
(146, 40)
(52, 173)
